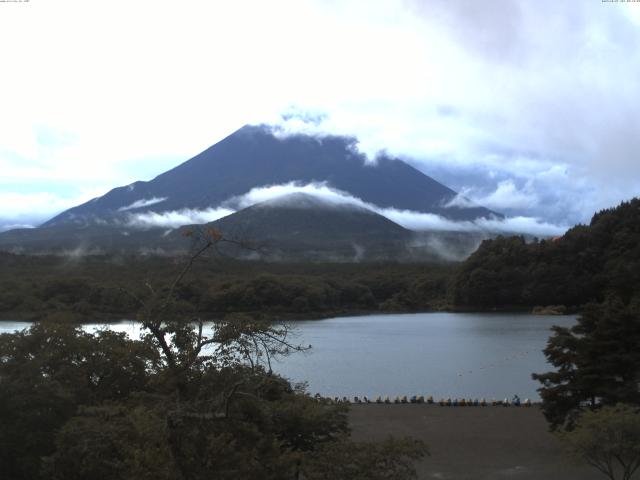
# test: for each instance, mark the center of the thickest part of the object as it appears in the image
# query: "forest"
(587, 264)
(93, 287)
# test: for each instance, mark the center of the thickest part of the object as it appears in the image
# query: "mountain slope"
(291, 227)
(253, 157)
(301, 225)
(90, 239)
(301, 217)
(304, 227)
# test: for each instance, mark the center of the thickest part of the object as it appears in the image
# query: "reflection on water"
(439, 354)
(130, 327)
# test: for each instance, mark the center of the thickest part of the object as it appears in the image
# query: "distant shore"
(107, 317)
(473, 443)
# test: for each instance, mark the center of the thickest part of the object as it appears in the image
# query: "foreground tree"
(608, 439)
(597, 363)
(47, 372)
(181, 403)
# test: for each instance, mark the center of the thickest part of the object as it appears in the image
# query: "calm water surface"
(439, 354)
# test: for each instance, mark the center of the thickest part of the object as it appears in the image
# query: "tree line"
(587, 264)
(91, 288)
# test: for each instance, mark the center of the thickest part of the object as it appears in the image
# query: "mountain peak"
(254, 157)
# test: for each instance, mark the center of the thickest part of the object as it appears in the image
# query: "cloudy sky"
(529, 108)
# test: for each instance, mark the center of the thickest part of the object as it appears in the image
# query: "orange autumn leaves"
(210, 234)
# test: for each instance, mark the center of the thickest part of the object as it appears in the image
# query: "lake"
(488, 355)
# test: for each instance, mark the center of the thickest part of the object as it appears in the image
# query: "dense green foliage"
(75, 405)
(90, 288)
(587, 264)
(180, 403)
(47, 372)
(608, 439)
(597, 362)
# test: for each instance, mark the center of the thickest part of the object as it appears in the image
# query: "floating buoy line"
(443, 402)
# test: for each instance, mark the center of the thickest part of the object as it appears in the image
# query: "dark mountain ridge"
(293, 227)
(301, 225)
(254, 157)
(300, 215)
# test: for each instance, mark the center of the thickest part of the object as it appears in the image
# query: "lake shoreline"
(487, 355)
(114, 318)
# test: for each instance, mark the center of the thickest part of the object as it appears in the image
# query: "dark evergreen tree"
(597, 363)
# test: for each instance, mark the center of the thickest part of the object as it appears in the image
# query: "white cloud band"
(407, 218)
(176, 218)
(143, 203)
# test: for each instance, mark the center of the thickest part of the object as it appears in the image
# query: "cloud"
(142, 203)
(17, 204)
(302, 116)
(454, 86)
(317, 189)
(507, 196)
(517, 225)
(33, 208)
(10, 226)
(460, 201)
(407, 218)
(175, 218)
(509, 225)
(535, 103)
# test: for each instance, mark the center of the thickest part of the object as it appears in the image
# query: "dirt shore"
(473, 443)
